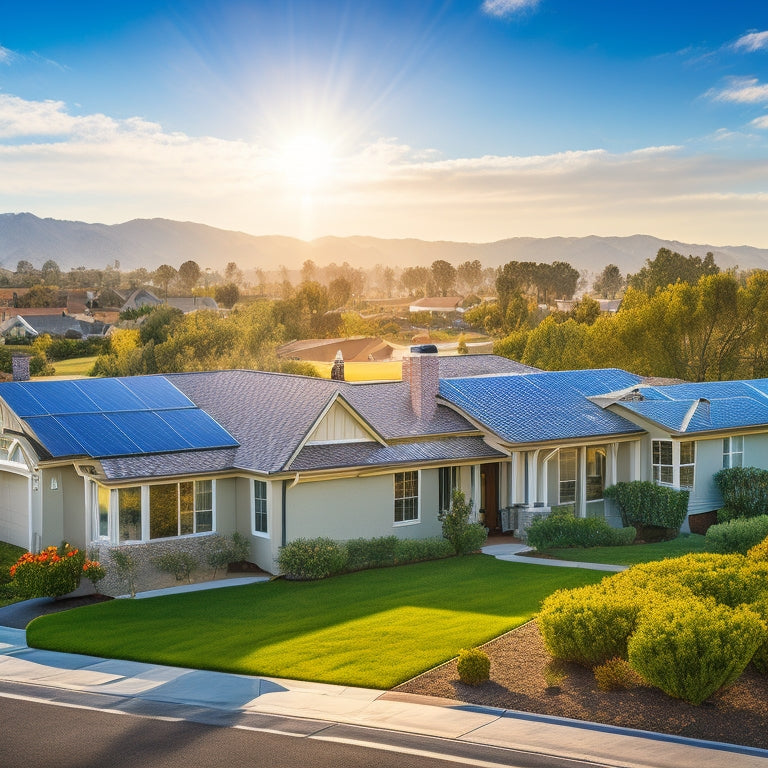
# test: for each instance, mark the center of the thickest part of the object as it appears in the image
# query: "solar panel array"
(113, 417)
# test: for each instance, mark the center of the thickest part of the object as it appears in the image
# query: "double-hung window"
(260, 517)
(407, 497)
(568, 461)
(448, 483)
(733, 452)
(176, 509)
(674, 463)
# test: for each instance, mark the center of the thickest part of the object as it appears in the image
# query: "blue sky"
(440, 120)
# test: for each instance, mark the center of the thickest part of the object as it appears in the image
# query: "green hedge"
(561, 529)
(643, 503)
(738, 535)
(310, 559)
(744, 491)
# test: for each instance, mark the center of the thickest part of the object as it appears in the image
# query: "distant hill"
(151, 242)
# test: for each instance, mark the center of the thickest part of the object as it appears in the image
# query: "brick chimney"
(20, 367)
(337, 371)
(421, 371)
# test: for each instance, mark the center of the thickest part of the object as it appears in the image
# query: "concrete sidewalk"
(513, 553)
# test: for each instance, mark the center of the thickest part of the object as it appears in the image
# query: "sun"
(306, 162)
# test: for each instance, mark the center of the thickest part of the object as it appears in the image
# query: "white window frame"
(731, 451)
(674, 470)
(600, 450)
(416, 499)
(563, 456)
(447, 480)
(265, 512)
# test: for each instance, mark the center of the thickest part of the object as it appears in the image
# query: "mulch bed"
(519, 664)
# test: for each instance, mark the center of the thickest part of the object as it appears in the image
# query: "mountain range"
(149, 243)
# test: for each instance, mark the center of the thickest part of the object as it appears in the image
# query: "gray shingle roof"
(314, 457)
(479, 365)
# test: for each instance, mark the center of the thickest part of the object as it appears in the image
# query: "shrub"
(744, 491)
(736, 535)
(465, 537)
(180, 564)
(616, 675)
(226, 552)
(371, 553)
(53, 572)
(416, 550)
(760, 658)
(588, 625)
(310, 559)
(690, 649)
(759, 552)
(561, 529)
(474, 666)
(125, 565)
(642, 502)
(94, 571)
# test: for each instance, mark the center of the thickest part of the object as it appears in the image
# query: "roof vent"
(635, 396)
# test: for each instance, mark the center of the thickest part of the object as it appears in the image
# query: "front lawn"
(371, 629)
(632, 553)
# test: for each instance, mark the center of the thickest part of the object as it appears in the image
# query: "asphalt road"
(75, 731)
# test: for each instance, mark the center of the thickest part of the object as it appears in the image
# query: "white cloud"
(742, 90)
(754, 41)
(761, 122)
(6, 55)
(507, 7)
(97, 168)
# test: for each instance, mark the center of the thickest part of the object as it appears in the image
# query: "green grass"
(371, 629)
(77, 366)
(9, 554)
(633, 553)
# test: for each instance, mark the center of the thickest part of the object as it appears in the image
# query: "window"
(102, 506)
(448, 482)
(567, 467)
(259, 506)
(673, 463)
(733, 452)
(595, 472)
(663, 468)
(129, 514)
(406, 497)
(687, 462)
(180, 508)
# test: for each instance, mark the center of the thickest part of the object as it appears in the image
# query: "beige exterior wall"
(14, 508)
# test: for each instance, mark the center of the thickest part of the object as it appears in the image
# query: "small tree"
(464, 536)
(125, 565)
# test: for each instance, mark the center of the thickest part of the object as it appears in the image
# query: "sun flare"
(306, 162)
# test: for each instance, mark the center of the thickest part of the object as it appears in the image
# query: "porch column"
(636, 460)
(512, 472)
(581, 484)
(613, 453)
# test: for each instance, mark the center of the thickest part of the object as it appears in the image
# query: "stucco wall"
(360, 507)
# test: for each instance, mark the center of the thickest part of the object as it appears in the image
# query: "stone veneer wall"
(147, 576)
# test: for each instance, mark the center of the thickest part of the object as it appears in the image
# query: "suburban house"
(354, 349)
(30, 324)
(174, 458)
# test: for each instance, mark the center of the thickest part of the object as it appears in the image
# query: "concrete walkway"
(512, 552)
(128, 685)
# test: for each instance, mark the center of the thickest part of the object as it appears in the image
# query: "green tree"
(233, 274)
(587, 310)
(670, 267)
(189, 275)
(414, 280)
(227, 295)
(162, 276)
(443, 276)
(470, 276)
(51, 273)
(609, 282)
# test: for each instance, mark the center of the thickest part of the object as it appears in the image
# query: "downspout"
(285, 494)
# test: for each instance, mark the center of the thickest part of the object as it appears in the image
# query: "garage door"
(14, 509)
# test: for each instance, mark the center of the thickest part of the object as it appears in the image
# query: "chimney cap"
(424, 349)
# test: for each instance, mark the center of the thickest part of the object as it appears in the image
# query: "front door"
(489, 494)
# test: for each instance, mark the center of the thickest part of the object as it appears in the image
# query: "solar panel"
(148, 430)
(62, 397)
(198, 428)
(109, 394)
(156, 392)
(57, 440)
(21, 400)
(98, 435)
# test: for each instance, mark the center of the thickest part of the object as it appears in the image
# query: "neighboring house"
(163, 459)
(440, 304)
(142, 297)
(606, 305)
(30, 325)
(355, 349)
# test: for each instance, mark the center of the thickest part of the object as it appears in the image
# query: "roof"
(543, 406)
(436, 304)
(356, 349)
(700, 407)
(56, 325)
(112, 417)
(479, 365)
